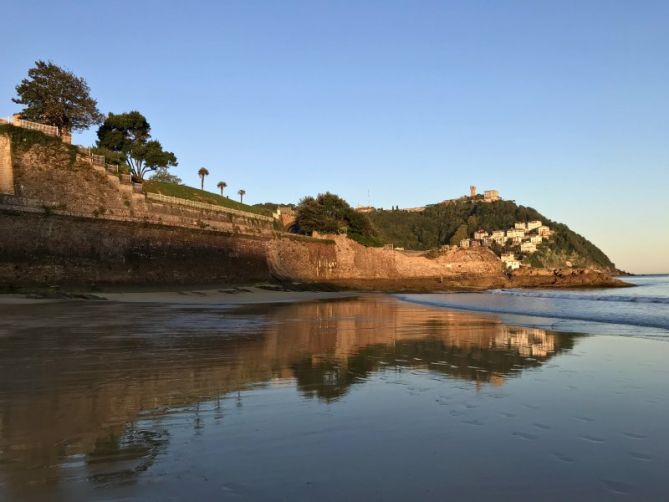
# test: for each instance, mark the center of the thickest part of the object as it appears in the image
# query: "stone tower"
(472, 191)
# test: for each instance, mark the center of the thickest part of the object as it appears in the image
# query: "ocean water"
(642, 310)
(362, 399)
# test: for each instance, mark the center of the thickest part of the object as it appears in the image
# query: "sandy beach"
(185, 394)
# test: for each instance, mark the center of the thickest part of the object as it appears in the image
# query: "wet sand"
(358, 398)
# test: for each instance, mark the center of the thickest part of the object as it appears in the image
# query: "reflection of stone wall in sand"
(165, 364)
(350, 260)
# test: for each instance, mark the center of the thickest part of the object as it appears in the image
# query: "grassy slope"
(444, 224)
(197, 195)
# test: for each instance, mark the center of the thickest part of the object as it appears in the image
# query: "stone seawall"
(42, 249)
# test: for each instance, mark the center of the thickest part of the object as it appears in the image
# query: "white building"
(487, 241)
(480, 234)
(512, 265)
(514, 232)
(528, 247)
(508, 256)
(531, 225)
(520, 225)
(464, 243)
(544, 230)
(498, 234)
(536, 239)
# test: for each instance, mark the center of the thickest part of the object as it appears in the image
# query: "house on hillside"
(544, 231)
(508, 256)
(520, 225)
(480, 234)
(512, 264)
(514, 232)
(528, 247)
(536, 239)
(531, 225)
(464, 243)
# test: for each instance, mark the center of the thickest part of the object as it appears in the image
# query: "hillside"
(197, 195)
(442, 224)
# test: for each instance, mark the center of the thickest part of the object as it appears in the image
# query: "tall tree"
(202, 173)
(241, 193)
(330, 214)
(57, 97)
(129, 134)
(221, 185)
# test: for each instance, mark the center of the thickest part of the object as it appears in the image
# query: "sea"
(642, 310)
(506, 395)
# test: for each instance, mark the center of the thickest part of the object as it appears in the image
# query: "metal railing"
(203, 205)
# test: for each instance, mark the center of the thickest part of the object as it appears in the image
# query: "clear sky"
(560, 105)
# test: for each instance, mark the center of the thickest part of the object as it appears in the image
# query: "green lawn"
(197, 195)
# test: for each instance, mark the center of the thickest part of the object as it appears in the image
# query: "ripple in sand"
(634, 435)
(617, 487)
(563, 458)
(524, 435)
(542, 426)
(591, 439)
(641, 457)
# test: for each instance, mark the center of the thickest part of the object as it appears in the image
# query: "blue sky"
(563, 106)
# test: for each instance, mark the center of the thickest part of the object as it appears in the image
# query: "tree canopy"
(163, 175)
(57, 97)
(129, 134)
(330, 214)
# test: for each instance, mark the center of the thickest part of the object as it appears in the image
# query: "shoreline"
(271, 292)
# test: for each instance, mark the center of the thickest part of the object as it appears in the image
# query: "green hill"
(442, 224)
(197, 195)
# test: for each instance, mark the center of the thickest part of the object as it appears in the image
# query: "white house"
(508, 257)
(528, 247)
(520, 225)
(480, 234)
(512, 265)
(464, 243)
(536, 239)
(514, 232)
(543, 230)
(531, 225)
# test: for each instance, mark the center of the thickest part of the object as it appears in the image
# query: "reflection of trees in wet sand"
(71, 382)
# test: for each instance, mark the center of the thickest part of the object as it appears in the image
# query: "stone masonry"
(6, 171)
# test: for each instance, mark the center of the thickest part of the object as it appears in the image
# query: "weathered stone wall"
(6, 171)
(42, 249)
(48, 176)
(346, 260)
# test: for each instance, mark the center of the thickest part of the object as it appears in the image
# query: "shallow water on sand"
(370, 398)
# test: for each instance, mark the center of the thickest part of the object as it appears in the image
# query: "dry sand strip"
(221, 296)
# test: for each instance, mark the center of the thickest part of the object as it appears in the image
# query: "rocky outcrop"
(563, 278)
(342, 261)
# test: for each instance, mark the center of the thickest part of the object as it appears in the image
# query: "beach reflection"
(76, 377)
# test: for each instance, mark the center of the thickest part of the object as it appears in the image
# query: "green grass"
(197, 195)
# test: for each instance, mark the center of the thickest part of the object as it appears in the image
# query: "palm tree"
(241, 193)
(222, 185)
(202, 173)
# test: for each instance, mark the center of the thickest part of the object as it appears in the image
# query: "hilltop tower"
(472, 191)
